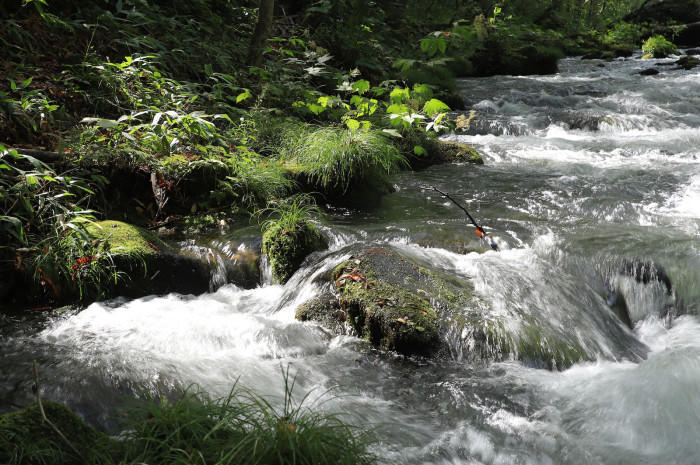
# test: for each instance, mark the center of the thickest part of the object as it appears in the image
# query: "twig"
(43, 415)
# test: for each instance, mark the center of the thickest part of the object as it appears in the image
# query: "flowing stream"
(583, 170)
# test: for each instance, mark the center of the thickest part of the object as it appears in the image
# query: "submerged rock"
(397, 303)
(649, 72)
(687, 62)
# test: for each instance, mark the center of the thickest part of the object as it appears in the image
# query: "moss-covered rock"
(286, 249)
(458, 152)
(26, 438)
(399, 304)
(145, 264)
(386, 307)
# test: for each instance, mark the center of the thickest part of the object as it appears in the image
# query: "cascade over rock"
(401, 304)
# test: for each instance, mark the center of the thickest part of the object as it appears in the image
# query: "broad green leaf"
(418, 150)
(434, 106)
(399, 95)
(353, 124)
(243, 95)
(361, 86)
(25, 83)
(397, 108)
(423, 90)
(315, 109)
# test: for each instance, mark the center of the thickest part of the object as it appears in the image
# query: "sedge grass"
(337, 158)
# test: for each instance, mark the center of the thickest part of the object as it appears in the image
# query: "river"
(583, 170)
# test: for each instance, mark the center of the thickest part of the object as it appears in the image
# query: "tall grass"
(242, 428)
(289, 214)
(337, 158)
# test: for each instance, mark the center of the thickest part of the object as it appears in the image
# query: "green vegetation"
(289, 236)
(241, 428)
(145, 111)
(658, 47)
(338, 159)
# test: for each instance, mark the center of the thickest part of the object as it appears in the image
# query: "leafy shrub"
(623, 35)
(43, 216)
(658, 47)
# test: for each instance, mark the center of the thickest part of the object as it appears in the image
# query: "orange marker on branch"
(479, 230)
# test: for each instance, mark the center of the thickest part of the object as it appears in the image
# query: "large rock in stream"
(146, 264)
(399, 304)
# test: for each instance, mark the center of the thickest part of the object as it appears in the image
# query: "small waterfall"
(265, 271)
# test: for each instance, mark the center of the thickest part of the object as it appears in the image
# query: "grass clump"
(289, 235)
(242, 428)
(336, 159)
(658, 47)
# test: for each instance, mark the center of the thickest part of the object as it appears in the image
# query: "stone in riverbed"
(286, 249)
(145, 263)
(399, 304)
(458, 152)
(649, 72)
(687, 62)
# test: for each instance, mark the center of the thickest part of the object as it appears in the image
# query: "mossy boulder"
(379, 295)
(26, 438)
(147, 265)
(399, 303)
(458, 152)
(286, 248)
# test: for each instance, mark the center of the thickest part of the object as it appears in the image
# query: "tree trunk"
(261, 33)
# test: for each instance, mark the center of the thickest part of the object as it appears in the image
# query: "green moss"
(391, 316)
(325, 310)
(456, 152)
(25, 438)
(287, 248)
(536, 349)
(126, 239)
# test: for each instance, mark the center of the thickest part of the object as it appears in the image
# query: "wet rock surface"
(398, 303)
